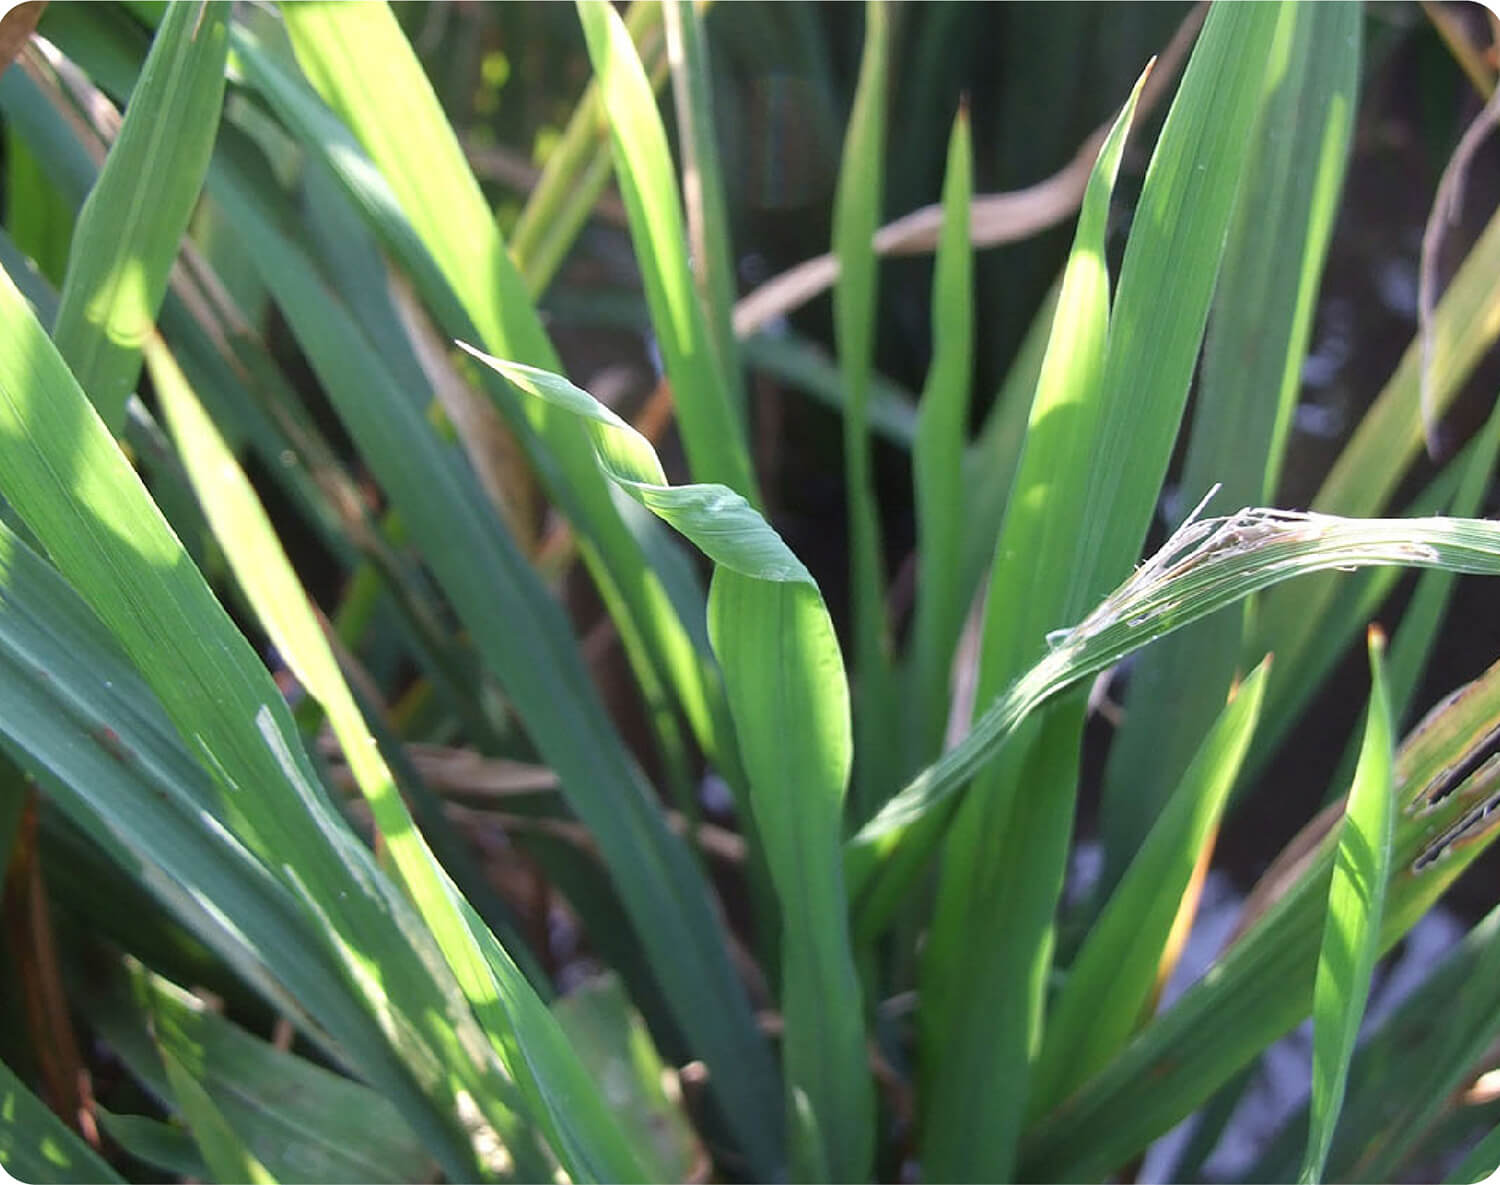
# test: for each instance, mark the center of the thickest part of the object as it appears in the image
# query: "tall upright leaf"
(1307, 630)
(1110, 983)
(1351, 931)
(1250, 383)
(856, 215)
(130, 227)
(1263, 985)
(974, 1056)
(712, 431)
(427, 209)
(579, 165)
(712, 254)
(937, 456)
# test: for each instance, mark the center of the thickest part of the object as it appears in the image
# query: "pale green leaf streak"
(223, 1151)
(300, 1120)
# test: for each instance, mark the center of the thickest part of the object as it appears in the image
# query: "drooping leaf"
(524, 638)
(787, 692)
(64, 476)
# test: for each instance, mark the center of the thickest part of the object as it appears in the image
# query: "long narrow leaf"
(128, 232)
(1405, 1077)
(223, 1151)
(1351, 935)
(299, 1120)
(974, 1051)
(1110, 981)
(1256, 341)
(857, 209)
(1207, 565)
(579, 165)
(79, 718)
(1263, 986)
(561, 1096)
(712, 432)
(937, 456)
(1306, 630)
(703, 194)
(78, 495)
(424, 199)
(1480, 1165)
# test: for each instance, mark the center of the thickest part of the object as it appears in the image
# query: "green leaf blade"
(524, 638)
(66, 478)
(1111, 980)
(785, 679)
(1256, 341)
(35, 1145)
(1004, 854)
(129, 229)
(418, 194)
(937, 455)
(712, 432)
(857, 211)
(1352, 933)
(581, 1129)
(790, 701)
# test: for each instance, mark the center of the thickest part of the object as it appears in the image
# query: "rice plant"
(428, 756)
